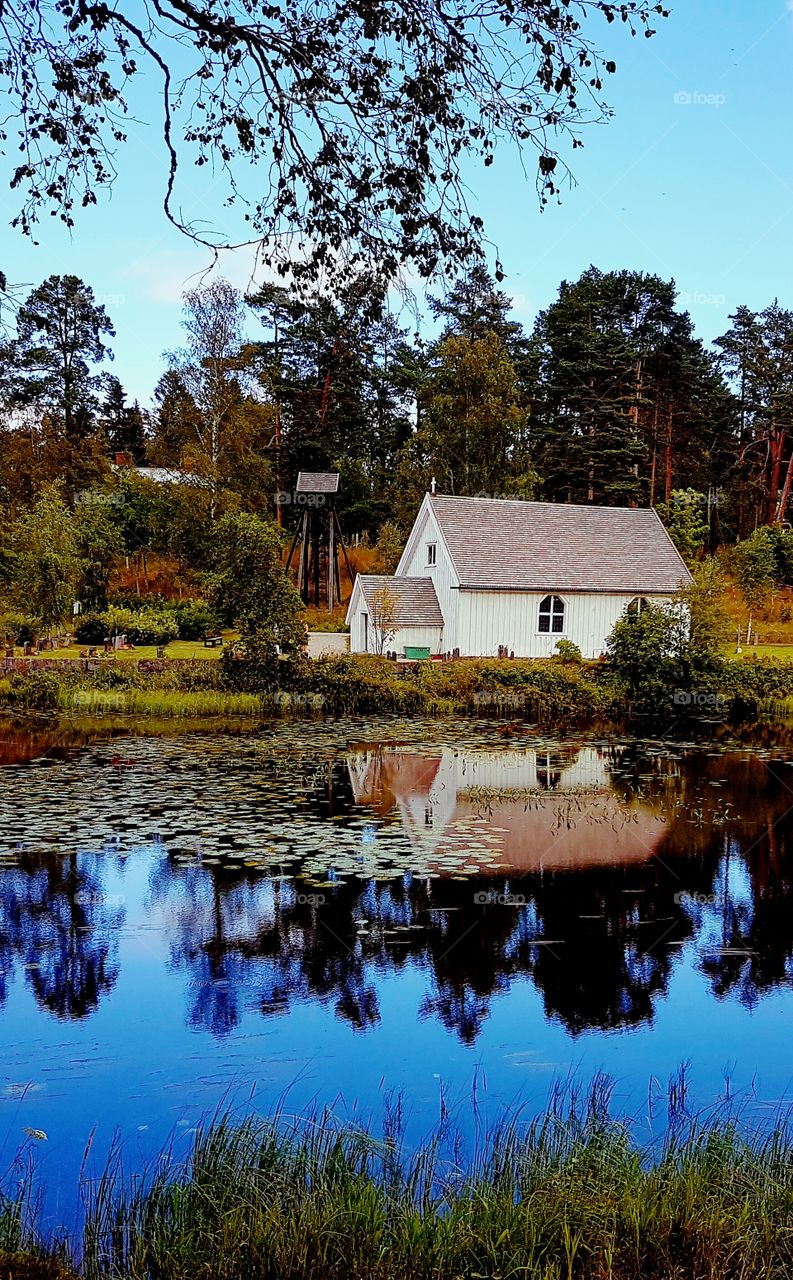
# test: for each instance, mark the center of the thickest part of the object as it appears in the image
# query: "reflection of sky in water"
(218, 918)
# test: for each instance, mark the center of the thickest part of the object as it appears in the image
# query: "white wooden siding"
(487, 619)
(420, 637)
(414, 565)
(478, 622)
(417, 637)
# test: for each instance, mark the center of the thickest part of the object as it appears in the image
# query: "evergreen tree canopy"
(60, 338)
(627, 402)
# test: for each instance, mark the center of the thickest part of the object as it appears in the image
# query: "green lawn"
(783, 651)
(176, 649)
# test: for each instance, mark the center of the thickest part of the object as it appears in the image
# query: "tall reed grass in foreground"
(571, 1196)
(163, 702)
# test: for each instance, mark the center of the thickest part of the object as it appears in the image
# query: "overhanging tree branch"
(342, 130)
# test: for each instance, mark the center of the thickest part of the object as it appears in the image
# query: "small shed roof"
(416, 601)
(505, 545)
(163, 475)
(317, 482)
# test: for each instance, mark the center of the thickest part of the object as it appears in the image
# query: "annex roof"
(416, 601)
(506, 545)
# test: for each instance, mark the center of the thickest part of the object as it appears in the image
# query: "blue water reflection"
(188, 922)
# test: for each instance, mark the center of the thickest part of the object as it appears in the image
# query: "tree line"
(610, 398)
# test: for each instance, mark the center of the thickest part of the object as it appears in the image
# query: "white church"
(480, 577)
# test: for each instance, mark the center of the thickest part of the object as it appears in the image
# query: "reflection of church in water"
(532, 809)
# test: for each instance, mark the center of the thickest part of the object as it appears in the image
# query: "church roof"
(506, 545)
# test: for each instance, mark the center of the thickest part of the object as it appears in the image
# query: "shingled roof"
(544, 546)
(317, 482)
(416, 601)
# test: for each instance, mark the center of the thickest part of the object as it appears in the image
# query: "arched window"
(552, 615)
(637, 606)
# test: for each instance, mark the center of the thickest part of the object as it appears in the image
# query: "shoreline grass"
(547, 692)
(568, 1196)
(164, 703)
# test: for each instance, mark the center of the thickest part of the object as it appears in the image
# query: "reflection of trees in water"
(57, 923)
(612, 938)
(248, 942)
(733, 825)
(614, 933)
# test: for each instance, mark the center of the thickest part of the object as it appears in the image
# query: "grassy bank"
(572, 1196)
(549, 692)
(185, 704)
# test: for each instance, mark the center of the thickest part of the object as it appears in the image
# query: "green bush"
(365, 684)
(567, 651)
(685, 517)
(194, 619)
(116, 675)
(135, 603)
(326, 622)
(147, 626)
(91, 629)
(22, 627)
(755, 564)
(37, 690)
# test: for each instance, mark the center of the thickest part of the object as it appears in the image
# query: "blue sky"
(693, 180)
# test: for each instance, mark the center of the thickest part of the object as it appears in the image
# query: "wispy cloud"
(163, 275)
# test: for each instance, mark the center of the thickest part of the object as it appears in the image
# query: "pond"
(342, 913)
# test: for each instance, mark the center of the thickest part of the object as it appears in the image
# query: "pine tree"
(123, 424)
(341, 378)
(757, 355)
(60, 337)
(473, 436)
(627, 403)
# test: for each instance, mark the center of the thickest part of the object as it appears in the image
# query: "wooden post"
(331, 563)
(294, 544)
(303, 564)
(343, 550)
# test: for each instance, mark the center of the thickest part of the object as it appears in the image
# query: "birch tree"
(383, 616)
(209, 369)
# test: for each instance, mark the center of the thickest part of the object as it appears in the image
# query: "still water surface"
(326, 913)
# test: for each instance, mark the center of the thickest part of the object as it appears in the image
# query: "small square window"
(431, 552)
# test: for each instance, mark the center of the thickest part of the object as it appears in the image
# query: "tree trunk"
(781, 506)
(668, 456)
(279, 510)
(777, 445)
(654, 462)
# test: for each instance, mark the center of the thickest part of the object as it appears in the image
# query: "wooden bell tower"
(319, 537)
